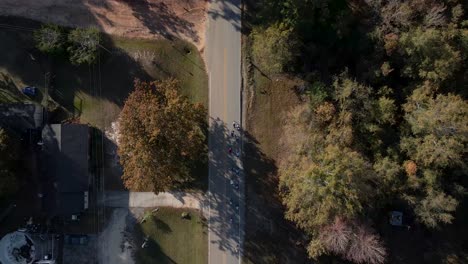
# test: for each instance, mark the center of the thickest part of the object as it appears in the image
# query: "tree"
(274, 48)
(430, 54)
(84, 45)
(435, 142)
(437, 207)
(162, 136)
(366, 247)
(340, 183)
(351, 239)
(8, 181)
(49, 38)
(439, 128)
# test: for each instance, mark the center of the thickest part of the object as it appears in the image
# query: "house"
(66, 154)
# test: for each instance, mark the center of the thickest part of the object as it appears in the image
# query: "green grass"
(173, 239)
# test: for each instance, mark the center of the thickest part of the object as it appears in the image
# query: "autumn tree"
(49, 38)
(339, 183)
(84, 45)
(8, 153)
(162, 136)
(436, 142)
(439, 128)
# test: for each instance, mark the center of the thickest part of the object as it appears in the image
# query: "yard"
(95, 93)
(173, 239)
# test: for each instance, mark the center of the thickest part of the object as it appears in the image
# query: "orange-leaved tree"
(162, 136)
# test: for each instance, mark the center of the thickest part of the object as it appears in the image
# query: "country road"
(226, 180)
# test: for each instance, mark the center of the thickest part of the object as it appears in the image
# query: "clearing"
(153, 19)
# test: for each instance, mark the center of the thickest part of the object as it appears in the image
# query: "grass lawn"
(173, 239)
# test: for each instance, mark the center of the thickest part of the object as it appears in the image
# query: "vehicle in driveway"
(29, 91)
(76, 239)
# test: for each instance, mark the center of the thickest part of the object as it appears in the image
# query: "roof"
(21, 116)
(66, 149)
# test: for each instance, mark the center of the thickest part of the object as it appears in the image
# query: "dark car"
(29, 91)
(76, 239)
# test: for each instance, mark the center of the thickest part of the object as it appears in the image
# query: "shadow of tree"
(269, 237)
(228, 10)
(161, 20)
(161, 225)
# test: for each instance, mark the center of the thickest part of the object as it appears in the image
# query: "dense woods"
(385, 118)
(162, 136)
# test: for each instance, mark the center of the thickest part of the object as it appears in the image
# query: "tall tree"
(84, 45)
(274, 48)
(435, 142)
(162, 136)
(49, 38)
(340, 183)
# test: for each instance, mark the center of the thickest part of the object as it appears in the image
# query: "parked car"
(76, 239)
(29, 91)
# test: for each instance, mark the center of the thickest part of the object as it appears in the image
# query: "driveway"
(124, 199)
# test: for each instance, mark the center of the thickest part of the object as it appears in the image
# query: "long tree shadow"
(227, 10)
(269, 237)
(161, 20)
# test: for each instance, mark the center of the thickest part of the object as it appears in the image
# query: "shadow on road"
(224, 197)
(228, 11)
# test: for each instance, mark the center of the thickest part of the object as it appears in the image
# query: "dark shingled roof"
(67, 148)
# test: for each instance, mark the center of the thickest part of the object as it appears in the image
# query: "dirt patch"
(128, 18)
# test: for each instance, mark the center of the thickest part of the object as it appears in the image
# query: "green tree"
(439, 128)
(8, 152)
(162, 136)
(274, 48)
(430, 54)
(340, 184)
(435, 142)
(49, 39)
(84, 45)
(435, 208)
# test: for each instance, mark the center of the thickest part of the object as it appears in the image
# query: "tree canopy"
(84, 45)
(50, 38)
(384, 114)
(162, 136)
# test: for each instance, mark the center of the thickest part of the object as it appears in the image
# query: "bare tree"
(365, 246)
(336, 236)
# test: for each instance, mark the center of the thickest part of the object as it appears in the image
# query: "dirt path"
(130, 18)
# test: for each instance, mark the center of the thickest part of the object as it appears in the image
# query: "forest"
(384, 123)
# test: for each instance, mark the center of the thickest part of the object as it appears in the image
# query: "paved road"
(226, 202)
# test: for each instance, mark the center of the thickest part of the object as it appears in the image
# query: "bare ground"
(149, 19)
